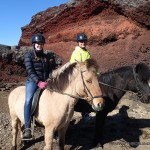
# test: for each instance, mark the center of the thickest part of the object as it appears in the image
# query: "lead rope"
(117, 88)
(112, 87)
(134, 74)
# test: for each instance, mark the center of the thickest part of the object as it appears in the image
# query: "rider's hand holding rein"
(42, 84)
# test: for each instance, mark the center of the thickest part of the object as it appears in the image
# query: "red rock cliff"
(118, 30)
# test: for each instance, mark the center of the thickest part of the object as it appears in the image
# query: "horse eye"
(89, 81)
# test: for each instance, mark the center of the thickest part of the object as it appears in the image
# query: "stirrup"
(27, 139)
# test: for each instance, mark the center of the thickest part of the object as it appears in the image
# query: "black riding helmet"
(38, 38)
(81, 37)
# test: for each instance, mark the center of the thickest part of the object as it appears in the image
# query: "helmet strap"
(33, 45)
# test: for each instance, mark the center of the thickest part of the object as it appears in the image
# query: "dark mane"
(60, 78)
(127, 78)
(141, 69)
(109, 77)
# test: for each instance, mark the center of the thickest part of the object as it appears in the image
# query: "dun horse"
(114, 85)
(56, 104)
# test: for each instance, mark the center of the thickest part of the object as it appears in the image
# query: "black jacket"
(39, 66)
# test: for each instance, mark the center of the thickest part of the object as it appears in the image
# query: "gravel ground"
(127, 127)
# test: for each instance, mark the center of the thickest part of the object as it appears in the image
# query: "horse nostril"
(101, 105)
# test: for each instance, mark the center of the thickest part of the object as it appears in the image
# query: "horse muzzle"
(98, 106)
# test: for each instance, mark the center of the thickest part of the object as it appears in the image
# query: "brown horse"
(56, 104)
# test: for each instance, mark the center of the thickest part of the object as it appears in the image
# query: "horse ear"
(76, 61)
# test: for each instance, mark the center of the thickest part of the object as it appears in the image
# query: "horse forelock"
(143, 71)
(61, 77)
(91, 64)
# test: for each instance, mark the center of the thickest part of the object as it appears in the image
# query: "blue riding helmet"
(81, 37)
(38, 38)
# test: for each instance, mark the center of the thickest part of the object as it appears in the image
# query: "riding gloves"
(42, 84)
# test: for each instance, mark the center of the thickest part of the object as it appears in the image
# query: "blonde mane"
(60, 78)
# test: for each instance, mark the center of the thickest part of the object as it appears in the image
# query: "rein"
(118, 88)
(79, 97)
(63, 93)
(113, 87)
(86, 88)
(139, 94)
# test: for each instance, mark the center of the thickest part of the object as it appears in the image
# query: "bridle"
(86, 90)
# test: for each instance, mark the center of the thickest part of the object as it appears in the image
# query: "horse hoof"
(13, 148)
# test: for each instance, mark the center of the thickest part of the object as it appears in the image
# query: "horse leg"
(20, 127)
(49, 133)
(99, 126)
(14, 123)
(61, 134)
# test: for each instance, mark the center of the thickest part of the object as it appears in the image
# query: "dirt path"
(127, 127)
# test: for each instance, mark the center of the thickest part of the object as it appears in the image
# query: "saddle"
(35, 100)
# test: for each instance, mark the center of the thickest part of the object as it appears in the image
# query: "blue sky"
(15, 14)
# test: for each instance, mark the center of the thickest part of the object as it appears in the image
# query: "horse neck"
(71, 93)
(71, 89)
(117, 87)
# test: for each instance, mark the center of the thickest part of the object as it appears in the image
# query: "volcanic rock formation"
(118, 30)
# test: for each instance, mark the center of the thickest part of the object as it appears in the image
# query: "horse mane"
(143, 71)
(61, 77)
(108, 77)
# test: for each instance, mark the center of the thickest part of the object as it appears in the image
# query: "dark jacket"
(39, 66)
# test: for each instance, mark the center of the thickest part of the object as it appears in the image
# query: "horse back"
(116, 81)
(16, 101)
(15, 94)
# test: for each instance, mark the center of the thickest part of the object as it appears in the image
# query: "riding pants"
(31, 88)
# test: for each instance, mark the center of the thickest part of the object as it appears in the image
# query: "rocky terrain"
(118, 32)
(118, 35)
(127, 128)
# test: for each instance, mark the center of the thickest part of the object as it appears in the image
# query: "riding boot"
(27, 134)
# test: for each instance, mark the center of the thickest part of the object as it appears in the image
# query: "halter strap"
(86, 88)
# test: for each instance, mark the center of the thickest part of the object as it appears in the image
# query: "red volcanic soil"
(118, 31)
